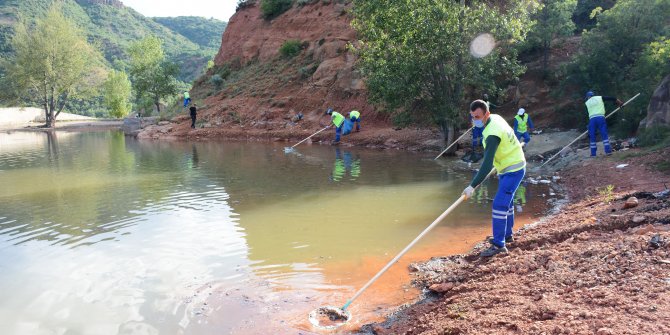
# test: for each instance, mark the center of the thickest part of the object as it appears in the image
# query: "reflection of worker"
(520, 197)
(355, 117)
(502, 150)
(344, 163)
(194, 157)
(481, 194)
(522, 123)
(338, 121)
(596, 108)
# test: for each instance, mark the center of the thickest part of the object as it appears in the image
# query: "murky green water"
(102, 234)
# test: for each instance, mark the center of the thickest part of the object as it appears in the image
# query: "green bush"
(290, 48)
(657, 135)
(273, 8)
(216, 80)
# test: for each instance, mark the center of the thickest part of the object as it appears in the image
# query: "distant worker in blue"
(595, 105)
(522, 123)
(338, 121)
(187, 99)
(355, 117)
(503, 151)
(477, 135)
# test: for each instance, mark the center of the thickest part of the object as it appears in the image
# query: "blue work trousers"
(477, 136)
(338, 132)
(525, 136)
(187, 101)
(357, 120)
(599, 123)
(503, 206)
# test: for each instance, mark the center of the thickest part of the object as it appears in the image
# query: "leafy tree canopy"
(52, 64)
(415, 54)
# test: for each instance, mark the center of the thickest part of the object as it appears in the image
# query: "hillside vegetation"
(113, 27)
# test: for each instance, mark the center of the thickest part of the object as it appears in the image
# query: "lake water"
(103, 234)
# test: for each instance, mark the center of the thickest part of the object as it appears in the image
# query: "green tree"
(117, 91)
(553, 20)
(152, 76)
(624, 55)
(414, 54)
(52, 64)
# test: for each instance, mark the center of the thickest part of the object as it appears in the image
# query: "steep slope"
(256, 92)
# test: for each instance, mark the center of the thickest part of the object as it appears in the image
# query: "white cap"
(521, 111)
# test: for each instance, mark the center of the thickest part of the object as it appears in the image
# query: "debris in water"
(329, 317)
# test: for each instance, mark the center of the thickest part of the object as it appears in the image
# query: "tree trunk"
(448, 133)
(545, 60)
(50, 120)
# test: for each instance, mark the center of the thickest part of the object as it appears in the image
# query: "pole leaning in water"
(310, 136)
(452, 144)
(404, 251)
(586, 132)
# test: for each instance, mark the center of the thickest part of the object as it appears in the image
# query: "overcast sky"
(218, 9)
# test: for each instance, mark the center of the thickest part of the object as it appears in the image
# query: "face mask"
(479, 123)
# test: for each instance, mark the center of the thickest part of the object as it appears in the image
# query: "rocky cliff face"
(658, 111)
(268, 89)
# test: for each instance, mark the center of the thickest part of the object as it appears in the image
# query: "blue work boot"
(493, 250)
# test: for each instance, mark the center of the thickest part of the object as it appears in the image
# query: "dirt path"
(596, 267)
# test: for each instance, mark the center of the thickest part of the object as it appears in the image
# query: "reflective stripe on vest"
(596, 106)
(522, 123)
(509, 156)
(354, 114)
(338, 119)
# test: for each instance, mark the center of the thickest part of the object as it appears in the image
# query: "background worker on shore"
(187, 99)
(504, 151)
(194, 113)
(522, 123)
(596, 107)
(355, 117)
(338, 121)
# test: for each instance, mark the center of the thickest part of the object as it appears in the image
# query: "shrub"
(273, 8)
(216, 80)
(244, 3)
(290, 48)
(657, 135)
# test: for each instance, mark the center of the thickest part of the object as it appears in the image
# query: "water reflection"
(102, 234)
(520, 196)
(345, 164)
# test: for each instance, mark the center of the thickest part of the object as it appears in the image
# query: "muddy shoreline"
(596, 266)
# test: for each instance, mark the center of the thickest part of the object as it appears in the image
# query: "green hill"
(203, 32)
(114, 26)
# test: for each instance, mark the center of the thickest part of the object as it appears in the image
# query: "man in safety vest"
(338, 121)
(596, 107)
(187, 99)
(522, 123)
(503, 151)
(355, 117)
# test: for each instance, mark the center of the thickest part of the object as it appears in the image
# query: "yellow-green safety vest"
(509, 156)
(186, 95)
(596, 106)
(522, 123)
(338, 119)
(354, 114)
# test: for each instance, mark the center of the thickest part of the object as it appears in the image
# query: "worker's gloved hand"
(467, 192)
(619, 102)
